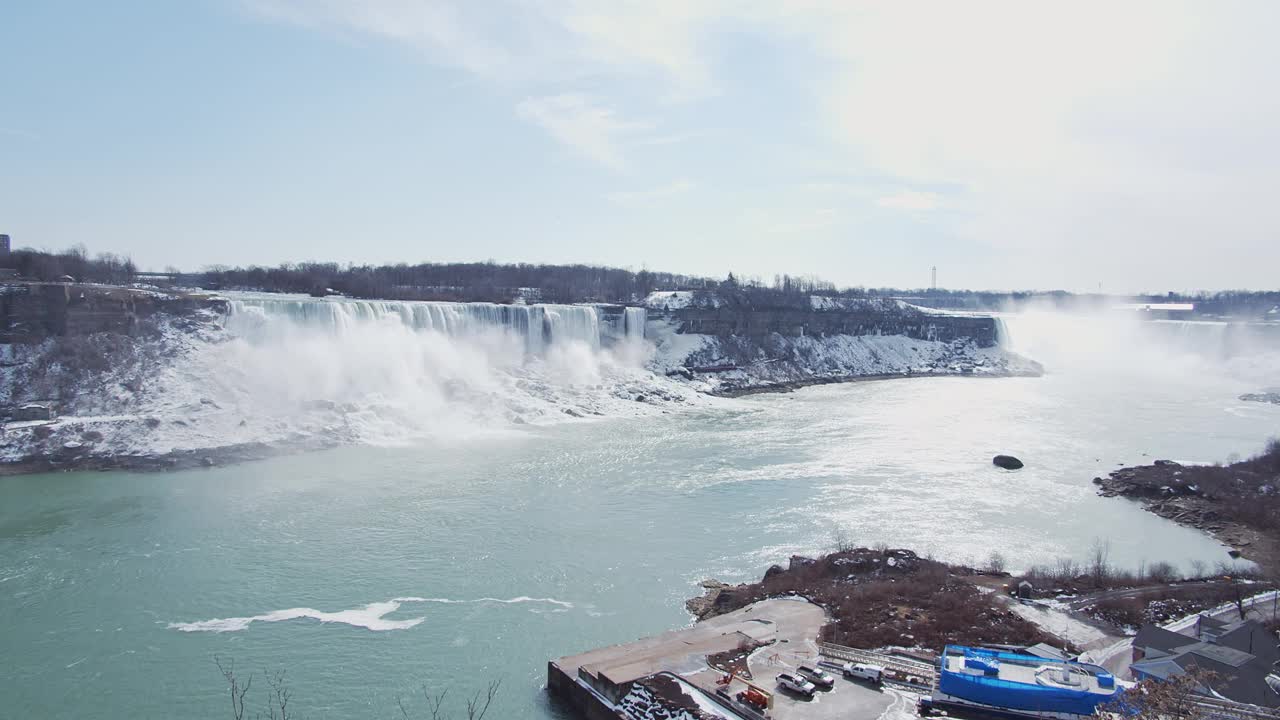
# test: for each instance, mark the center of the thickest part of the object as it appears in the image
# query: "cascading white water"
(382, 371)
(1002, 333)
(633, 320)
(539, 326)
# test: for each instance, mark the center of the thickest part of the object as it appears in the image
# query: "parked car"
(863, 671)
(796, 684)
(817, 676)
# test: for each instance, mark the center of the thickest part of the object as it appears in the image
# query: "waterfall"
(1003, 339)
(633, 320)
(539, 326)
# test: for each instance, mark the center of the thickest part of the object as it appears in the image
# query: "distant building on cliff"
(4, 245)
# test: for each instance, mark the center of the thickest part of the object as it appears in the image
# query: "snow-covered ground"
(780, 360)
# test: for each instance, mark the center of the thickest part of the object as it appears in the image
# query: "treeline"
(1233, 302)
(487, 281)
(493, 282)
(74, 263)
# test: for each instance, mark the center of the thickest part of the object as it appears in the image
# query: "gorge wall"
(31, 312)
(869, 318)
(728, 346)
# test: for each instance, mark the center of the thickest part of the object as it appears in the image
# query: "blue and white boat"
(1017, 685)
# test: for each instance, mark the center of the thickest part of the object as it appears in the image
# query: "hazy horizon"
(1130, 149)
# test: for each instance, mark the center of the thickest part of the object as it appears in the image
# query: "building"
(36, 411)
(1242, 654)
(4, 245)
(1160, 311)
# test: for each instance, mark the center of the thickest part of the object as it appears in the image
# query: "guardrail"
(894, 662)
(1216, 708)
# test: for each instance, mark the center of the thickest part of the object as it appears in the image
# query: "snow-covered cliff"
(255, 374)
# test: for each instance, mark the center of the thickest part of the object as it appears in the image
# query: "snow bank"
(727, 364)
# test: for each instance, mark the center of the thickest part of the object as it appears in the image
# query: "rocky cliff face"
(728, 347)
(869, 318)
(31, 312)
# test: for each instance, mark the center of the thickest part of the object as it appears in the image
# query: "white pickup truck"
(863, 671)
(797, 684)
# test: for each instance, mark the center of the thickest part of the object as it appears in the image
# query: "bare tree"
(1176, 697)
(237, 690)
(277, 704)
(477, 706)
(1162, 572)
(1100, 560)
(278, 697)
(842, 541)
(1067, 569)
(995, 563)
(1198, 568)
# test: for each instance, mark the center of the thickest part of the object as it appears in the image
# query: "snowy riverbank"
(736, 365)
(278, 374)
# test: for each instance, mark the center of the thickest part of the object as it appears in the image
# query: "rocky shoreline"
(879, 597)
(1230, 503)
(176, 460)
(1262, 397)
(793, 385)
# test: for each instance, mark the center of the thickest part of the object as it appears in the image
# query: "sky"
(1127, 146)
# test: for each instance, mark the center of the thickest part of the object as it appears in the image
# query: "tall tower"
(4, 245)
(934, 286)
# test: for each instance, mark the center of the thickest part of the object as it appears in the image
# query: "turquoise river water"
(369, 572)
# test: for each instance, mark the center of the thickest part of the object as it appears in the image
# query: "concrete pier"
(599, 683)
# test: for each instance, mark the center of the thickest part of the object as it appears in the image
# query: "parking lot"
(848, 700)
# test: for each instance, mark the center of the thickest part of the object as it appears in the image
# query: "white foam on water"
(371, 616)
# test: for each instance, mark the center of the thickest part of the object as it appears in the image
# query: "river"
(367, 572)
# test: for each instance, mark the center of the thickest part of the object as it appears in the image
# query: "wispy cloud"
(1030, 153)
(652, 195)
(15, 132)
(910, 200)
(592, 130)
(452, 33)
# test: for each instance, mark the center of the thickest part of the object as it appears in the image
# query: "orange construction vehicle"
(753, 695)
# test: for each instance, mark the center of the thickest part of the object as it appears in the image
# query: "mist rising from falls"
(384, 371)
(1125, 344)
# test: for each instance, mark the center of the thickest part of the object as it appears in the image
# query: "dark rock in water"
(1235, 554)
(1008, 462)
(1266, 397)
(773, 570)
(1166, 463)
